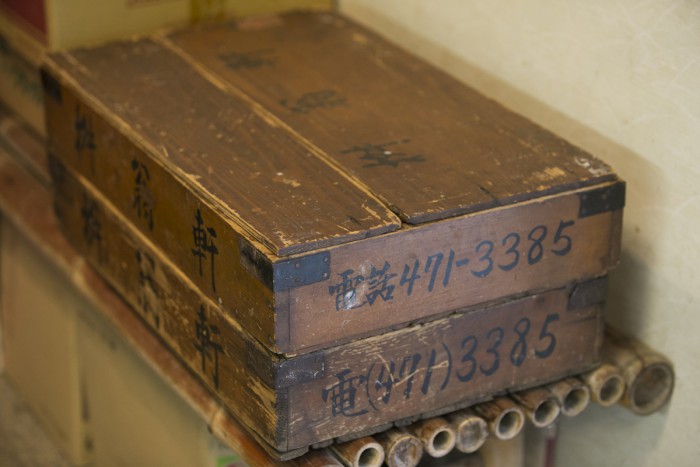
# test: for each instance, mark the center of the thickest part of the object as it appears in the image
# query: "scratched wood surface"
(426, 144)
(349, 389)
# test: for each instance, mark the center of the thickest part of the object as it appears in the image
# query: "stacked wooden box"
(335, 236)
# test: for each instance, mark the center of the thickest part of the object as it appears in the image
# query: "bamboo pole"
(503, 416)
(572, 395)
(539, 404)
(605, 383)
(648, 375)
(401, 448)
(361, 452)
(471, 430)
(436, 434)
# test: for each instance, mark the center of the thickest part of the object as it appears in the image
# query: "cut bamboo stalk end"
(648, 375)
(436, 434)
(605, 383)
(539, 404)
(503, 416)
(401, 448)
(362, 452)
(572, 395)
(470, 428)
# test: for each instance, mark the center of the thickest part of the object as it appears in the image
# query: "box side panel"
(208, 341)
(447, 364)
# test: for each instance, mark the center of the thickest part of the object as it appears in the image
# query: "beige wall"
(622, 80)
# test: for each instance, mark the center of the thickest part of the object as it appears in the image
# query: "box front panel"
(446, 364)
(459, 263)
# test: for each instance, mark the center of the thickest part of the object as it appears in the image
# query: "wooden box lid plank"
(257, 175)
(427, 145)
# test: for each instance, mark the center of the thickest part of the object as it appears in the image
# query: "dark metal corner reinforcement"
(608, 198)
(285, 274)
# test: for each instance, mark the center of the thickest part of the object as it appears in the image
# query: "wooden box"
(320, 184)
(348, 390)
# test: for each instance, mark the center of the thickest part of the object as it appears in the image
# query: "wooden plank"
(211, 342)
(427, 145)
(304, 400)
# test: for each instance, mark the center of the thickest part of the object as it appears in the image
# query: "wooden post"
(605, 383)
(401, 448)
